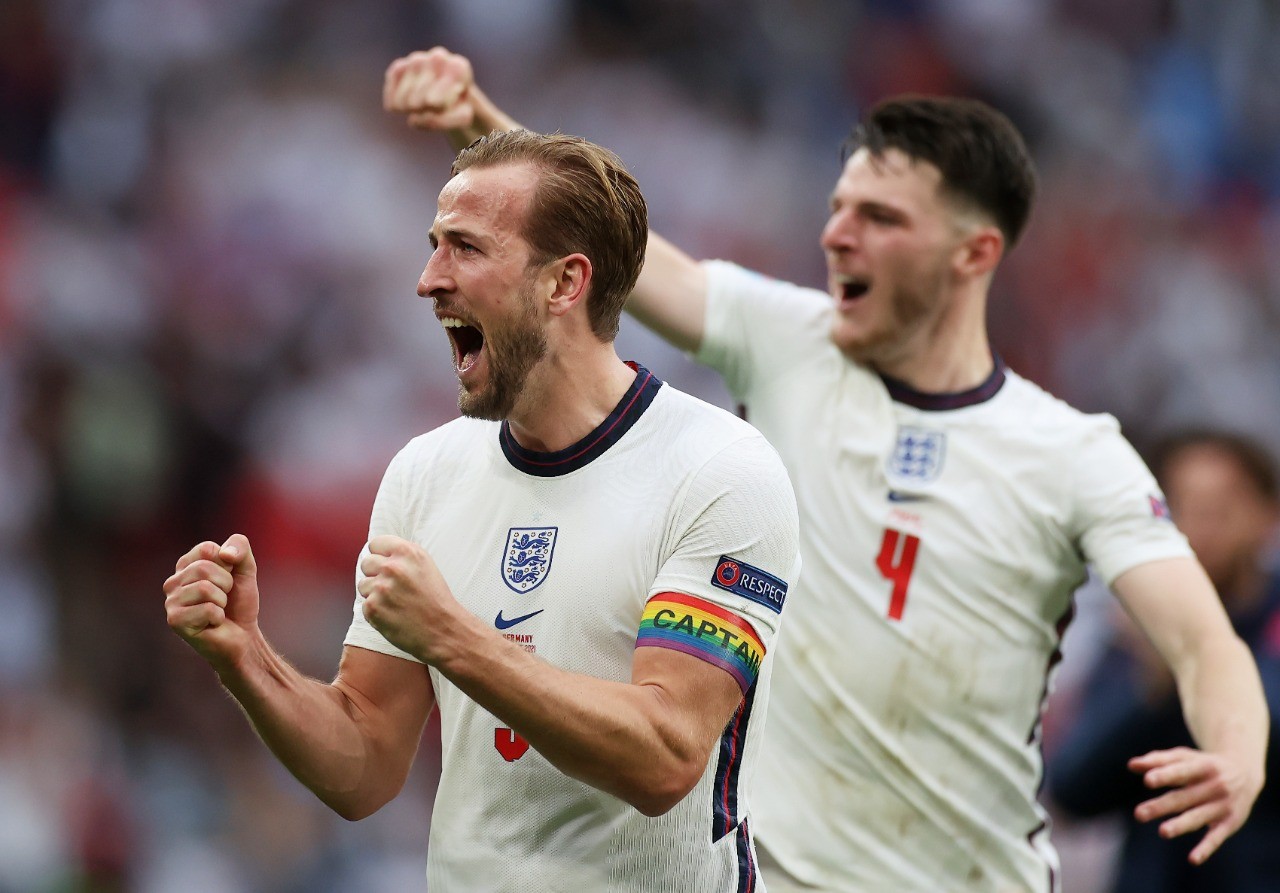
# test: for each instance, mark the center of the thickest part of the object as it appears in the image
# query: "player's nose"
(435, 278)
(840, 232)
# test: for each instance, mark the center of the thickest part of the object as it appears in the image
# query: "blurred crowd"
(209, 240)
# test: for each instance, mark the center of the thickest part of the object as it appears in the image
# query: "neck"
(949, 355)
(568, 395)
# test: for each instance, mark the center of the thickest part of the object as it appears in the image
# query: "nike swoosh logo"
(503, 623)
(898, 496)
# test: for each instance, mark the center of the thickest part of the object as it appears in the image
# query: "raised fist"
(433, 88)
(211, 600)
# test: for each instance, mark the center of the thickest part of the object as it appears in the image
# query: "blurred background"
(210, 236)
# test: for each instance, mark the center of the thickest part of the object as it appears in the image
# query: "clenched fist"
(407, 598)
(433, 88)
(211, 600)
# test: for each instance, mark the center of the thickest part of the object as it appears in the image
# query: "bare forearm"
(615, 736)
(1223, 701)
(488, 119)
(670, 296)
(646, 741)
(311, 727)
(1212, 787)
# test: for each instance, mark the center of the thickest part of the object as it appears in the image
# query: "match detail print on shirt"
(707, 631)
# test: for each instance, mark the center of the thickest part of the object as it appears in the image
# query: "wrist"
(236, 666)
(488, 117)
(472, 651)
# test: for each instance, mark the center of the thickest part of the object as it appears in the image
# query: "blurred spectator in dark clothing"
(1222, 492)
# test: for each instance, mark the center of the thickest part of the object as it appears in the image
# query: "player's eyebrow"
(453, 234)
(866, 205)
(882, 209)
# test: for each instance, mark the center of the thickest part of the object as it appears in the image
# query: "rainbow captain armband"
(706, 631)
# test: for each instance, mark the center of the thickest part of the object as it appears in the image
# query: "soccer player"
(948, 510)
(585, 574)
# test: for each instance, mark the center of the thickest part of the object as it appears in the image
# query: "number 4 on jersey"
(896, 561)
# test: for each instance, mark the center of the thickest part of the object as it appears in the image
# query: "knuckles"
(190, 620)
(199, 572)
(377, 590)
(374, 611)
(434, 64)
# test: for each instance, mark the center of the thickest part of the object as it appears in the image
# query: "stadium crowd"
(209, 230)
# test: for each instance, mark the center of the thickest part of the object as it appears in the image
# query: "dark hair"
(586, 202)
(1250, 455)
(982, 157)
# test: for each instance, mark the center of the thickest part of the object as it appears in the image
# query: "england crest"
(527, 559)
(918, 454)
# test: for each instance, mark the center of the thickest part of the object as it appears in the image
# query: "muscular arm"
(1222, 702)
(646, 741)
(351, 741)
(436, 90)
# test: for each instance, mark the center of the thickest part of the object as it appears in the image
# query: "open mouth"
(466, 339)
(850, 288)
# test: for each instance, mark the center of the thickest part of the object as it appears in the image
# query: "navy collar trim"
(902, 392)
(628, 411)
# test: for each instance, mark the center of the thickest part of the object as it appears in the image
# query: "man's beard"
(909, 307)
(514, 348)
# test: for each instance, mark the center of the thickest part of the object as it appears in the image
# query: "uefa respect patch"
(750, 582)
(704, 630)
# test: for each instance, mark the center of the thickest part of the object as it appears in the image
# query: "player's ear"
(980, 251)
(571, 278)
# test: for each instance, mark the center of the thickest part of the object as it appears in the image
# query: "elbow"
(655, 803)
(658, 793)
(353, 807)
(352, 813)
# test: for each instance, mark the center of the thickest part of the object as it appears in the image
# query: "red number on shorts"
(509, 744)
(896, 564)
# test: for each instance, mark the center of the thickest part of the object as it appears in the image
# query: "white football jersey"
(943, 537)
(672, 525)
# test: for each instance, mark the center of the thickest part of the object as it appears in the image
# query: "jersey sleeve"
(720, 593)
(1121, 517)
(388, 517)
(757, 327)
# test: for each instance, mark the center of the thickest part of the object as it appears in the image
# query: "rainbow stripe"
(707, 631)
